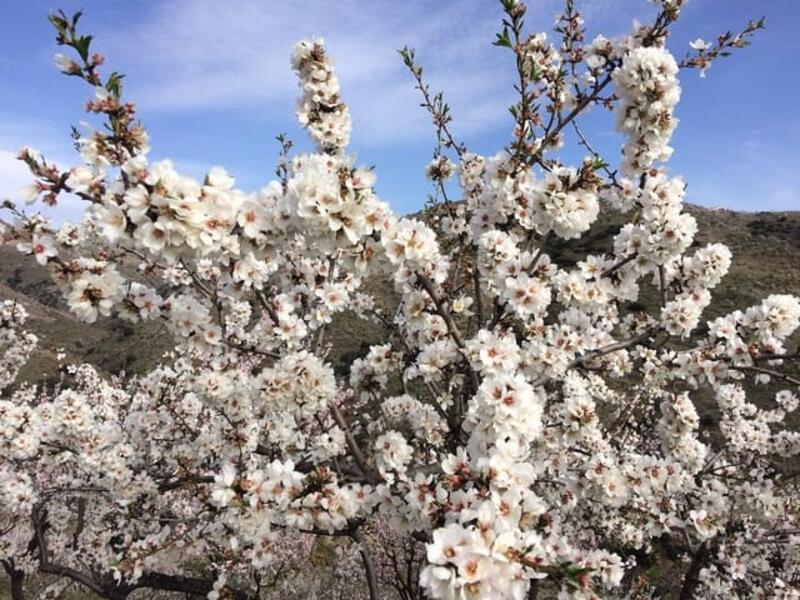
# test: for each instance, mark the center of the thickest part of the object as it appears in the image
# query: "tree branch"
(369, 567)
(355, 451)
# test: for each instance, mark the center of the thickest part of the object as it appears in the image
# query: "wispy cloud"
(209, 55)
(41, 136)
(187, 59)
(203, 54)
(14, 174)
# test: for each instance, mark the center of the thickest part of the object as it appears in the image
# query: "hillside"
(765, 246)
(112, 345)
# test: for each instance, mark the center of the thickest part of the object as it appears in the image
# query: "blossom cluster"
(321, 109)
(648, 86)
(518, 417)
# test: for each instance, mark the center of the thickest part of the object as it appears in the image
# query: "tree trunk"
(369, 567)
(692, 577)
(17, 590)
(17, 579)
(533, 592)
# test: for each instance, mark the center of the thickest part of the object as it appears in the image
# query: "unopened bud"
(519, 9)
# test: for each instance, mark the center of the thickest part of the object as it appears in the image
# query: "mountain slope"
(766, 260)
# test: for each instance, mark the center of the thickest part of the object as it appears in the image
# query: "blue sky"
(213, 85)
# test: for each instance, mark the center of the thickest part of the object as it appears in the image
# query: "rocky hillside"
(766, 249)
(112, 345)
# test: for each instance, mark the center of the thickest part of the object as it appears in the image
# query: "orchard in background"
(523, 427)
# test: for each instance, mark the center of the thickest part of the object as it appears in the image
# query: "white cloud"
(14, 174)
(203, 54)
(43, 136)
(190, 56)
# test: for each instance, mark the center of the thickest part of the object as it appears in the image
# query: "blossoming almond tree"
(524, 426)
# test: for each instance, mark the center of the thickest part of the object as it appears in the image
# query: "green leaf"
(59, 23)
(599, 163)
(82, 46)
(503, 39)
(114, 84)
(408, 56)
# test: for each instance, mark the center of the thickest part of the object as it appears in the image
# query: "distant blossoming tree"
(523, 426)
